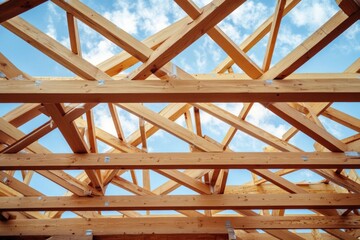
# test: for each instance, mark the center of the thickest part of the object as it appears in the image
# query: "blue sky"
(144, 18)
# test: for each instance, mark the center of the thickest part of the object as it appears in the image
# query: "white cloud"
(134, 17)
(100, 52)
(332, 127)
(312, 14)
(352, 37)
(153, 17)
(124, 19)
(144, 16)
(51, 30)
(307, 175)
(201, 60)
(206, 54)
(95, 48)
(287, 40)
(104, 121)
(53, 18)
(353, 32)
(185, 66)
(231, 31)
(250, 15)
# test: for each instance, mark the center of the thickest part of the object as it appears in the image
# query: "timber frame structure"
(299, 99)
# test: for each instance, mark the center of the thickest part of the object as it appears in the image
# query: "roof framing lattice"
(269, 205)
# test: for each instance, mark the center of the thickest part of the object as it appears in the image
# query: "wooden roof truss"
(261, 204)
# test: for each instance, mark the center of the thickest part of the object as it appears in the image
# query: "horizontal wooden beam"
(327, 90)
(220, 76)
(200, 236)
(182, 202)
(196, 160)
(181, 225)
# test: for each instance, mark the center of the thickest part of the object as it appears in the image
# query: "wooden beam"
(91, 131)
(254, 38)
(159, 237)
(172, 112)
(212, 14)
(59, 177)
(273, 178)
(354, 67)
(22, 114)
(106, 28)
(23, 189)
(124, 60)
(349, 6)
(196, 160)
(271, 188)
(77, 91)
(12, 8)
(170, 126)
(279, 234)
(54, 49)
(312, 45)
(273, 34)
(18, 186)
(10, 70)
(246, 127)
(197, 121)
(131, 187)
(28, 139)
(117, 36)
(62, 237)
(232, 130)
(73, 34)
(209, 225)
(143, 134)
(116, 120)
(68, 129)
(170, 186)
(306, 126)
(15, 134)
(228, 76)
(339, 179)
(73, 138)
(262, 236)
(182, 202)
(342, 118)
(185, 180)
